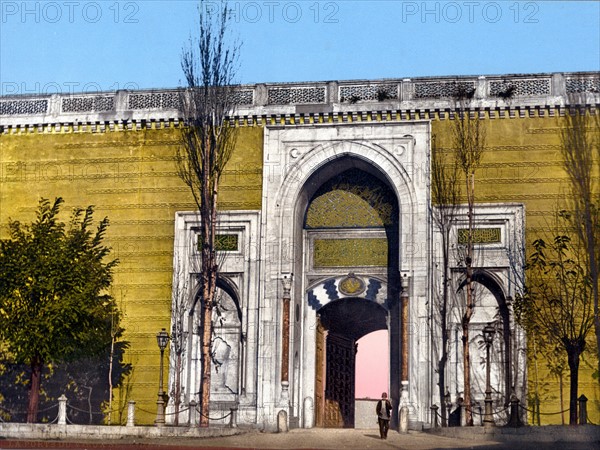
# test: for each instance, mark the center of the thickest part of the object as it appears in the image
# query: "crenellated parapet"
(492, 96)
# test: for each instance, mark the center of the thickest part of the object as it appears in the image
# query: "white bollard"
(403, 426)
(233, 417)
(463, 415)
(193, 414)
(131, 413)
(282, 422)
(62, 410)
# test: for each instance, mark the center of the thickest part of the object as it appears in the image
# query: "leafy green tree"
(54, 301)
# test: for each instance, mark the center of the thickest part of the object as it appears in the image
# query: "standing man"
(384, 408)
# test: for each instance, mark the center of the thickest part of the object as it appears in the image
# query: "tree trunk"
(467, 372)
(209, 283)
(442, 382)
(466, 320)
(89, 399)
(444, 325)
(206, 364)
(110, 384)
(573, 356)
(177, 394)
(34, 389)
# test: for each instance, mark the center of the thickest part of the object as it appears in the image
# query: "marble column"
(284, 399)
(285, 344)
(403, 413)
(405, 330)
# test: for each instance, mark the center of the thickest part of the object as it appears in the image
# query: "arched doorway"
(227, 352)
(351, 242)
(341, 324)
(227, 346)
(492, 306)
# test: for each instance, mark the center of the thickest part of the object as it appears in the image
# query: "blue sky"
(82, 46)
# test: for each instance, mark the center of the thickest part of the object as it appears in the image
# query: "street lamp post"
(488, 337)
(162, 338)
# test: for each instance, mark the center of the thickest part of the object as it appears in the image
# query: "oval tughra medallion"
(351, 285)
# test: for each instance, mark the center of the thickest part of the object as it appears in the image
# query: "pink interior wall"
(372, 365)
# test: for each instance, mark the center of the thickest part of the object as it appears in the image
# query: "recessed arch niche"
(488, 281)
(348, 216)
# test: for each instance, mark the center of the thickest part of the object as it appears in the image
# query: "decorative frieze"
(154, 100)
(296, 95)
(243, 97)
(520, 87)
(366, 92)
(506, 112)
(443, 89)
(577, 85)
(23, 107)
(308, 103)
(88, 104)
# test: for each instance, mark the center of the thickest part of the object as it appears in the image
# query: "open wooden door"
(339, 382)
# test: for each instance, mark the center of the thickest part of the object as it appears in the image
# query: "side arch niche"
(226, 347)
(493, 307)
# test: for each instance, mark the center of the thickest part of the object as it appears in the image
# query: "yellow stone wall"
(130, 176)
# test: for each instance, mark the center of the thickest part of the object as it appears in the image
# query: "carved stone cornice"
(433, 98)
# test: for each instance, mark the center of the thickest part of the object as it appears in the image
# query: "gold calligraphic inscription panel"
(223, 242)
(353, 199)
(350, 252)
(480, 235)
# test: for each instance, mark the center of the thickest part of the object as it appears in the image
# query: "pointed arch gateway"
(341, 173)
(351, 238)
(347, 309)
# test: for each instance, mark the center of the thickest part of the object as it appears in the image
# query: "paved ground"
(300, 439)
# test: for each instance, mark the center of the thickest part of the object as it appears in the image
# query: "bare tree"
(469, 144)
(210, 64)
(179, 332)
(445, 191)
(557, 303)
(580, 148)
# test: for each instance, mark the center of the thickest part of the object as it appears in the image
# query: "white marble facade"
(272, 244)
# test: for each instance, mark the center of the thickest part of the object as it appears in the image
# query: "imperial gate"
(343, 246)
